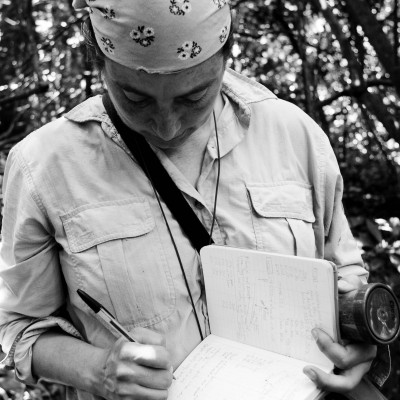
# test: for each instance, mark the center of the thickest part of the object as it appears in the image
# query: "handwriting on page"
(220, 369)
(271, 304)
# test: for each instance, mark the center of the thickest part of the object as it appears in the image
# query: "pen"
(105, 315)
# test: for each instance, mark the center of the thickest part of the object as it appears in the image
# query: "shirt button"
(198, 205)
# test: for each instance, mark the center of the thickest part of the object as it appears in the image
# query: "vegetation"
(339, 60)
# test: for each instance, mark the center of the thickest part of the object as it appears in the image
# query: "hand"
(140, 370)
(352, 361)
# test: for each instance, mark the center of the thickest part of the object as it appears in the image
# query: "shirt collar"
(239, 93)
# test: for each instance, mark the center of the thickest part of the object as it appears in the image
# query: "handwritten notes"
(262, 308)
(270, 301)
(220, 369)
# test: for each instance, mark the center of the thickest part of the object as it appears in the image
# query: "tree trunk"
(362, 14)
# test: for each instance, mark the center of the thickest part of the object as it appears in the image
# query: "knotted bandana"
(159, 36)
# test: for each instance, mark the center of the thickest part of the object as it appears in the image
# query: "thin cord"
(169, 229)
(217, 184)
(175, 248)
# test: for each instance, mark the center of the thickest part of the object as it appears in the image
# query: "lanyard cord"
(169, 229)
(218, 174)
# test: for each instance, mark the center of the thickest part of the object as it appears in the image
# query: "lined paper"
(262, 308)
(270, 301)
(220, 369)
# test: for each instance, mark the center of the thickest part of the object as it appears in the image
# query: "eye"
(195, 97)
(136, 98)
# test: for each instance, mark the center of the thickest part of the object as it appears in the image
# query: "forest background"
(338, 60)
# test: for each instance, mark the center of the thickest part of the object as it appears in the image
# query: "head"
(165, 97)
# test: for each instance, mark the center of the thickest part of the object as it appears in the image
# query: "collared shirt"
(80, 213)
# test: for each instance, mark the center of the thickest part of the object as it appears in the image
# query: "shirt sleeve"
(31, 283)
(340, 245)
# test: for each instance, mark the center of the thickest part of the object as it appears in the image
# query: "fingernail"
(311, 374)
(314, 333)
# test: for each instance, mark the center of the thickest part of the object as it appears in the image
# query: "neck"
(188, 158)
(198, 141)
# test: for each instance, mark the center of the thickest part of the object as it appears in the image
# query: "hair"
(97, 58)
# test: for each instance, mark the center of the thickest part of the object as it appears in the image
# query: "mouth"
(161, 139)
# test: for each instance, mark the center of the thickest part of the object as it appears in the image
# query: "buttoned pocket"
(118, 256)
(282, 217)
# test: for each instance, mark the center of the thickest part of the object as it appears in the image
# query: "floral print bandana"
(159, 36)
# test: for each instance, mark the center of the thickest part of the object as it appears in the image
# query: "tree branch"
(360, 11)
(4, 135)
(355, 68)
(355, 90)
(41, 88)
(396, 32)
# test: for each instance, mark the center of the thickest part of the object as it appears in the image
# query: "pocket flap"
(282, 200)
(92, 224)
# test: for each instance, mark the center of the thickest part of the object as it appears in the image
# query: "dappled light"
(337, 60)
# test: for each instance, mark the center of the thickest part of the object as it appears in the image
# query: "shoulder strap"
(165, 186)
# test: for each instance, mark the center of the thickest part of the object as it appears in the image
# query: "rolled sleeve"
(31, 283)
(340, 245)
(20, 355)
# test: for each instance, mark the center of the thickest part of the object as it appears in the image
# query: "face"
(165, 108)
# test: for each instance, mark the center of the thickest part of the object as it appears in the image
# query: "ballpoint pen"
(105, 315)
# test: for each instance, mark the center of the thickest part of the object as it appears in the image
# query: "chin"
(174, 143)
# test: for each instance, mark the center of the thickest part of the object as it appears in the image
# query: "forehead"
(171, 85)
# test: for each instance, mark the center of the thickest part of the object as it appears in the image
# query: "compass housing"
(370, 314)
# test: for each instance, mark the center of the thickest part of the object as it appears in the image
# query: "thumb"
(147, 336)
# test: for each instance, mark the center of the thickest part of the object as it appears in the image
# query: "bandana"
(159, 36)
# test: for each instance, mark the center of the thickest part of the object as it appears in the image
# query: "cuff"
(20, 354)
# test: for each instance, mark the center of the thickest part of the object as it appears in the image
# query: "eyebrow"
(197, 89)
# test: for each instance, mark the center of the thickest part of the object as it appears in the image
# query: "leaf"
(395, 259)
(374, 230)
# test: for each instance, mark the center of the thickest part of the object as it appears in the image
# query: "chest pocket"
(282, 217)
(117, 250)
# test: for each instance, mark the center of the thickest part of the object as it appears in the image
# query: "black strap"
(165, 186)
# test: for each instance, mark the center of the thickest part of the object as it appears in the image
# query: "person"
(80, 212)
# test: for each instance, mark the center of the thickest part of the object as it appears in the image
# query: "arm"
(352, 360)
(31, 288)
(31, 293)
(132, 370)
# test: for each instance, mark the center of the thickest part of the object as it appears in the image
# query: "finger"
(344, 357)
(146, 355)
(344, 382)
(136, 392)
(349, 283)
(146, 336)
(144, 376)
(345, 287)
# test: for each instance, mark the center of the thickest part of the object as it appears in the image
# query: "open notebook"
(262, 307)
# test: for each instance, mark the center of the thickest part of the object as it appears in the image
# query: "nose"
(166, 123)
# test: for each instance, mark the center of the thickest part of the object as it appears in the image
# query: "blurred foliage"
(336, 59)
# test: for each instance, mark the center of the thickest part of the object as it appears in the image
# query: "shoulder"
(244, 89)
(80, 125)
(265, 109)
(283, 114)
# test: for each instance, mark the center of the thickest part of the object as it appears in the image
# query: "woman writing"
(81, 213)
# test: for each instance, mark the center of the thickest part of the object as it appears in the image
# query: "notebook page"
(220, 369)
(270, 301)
